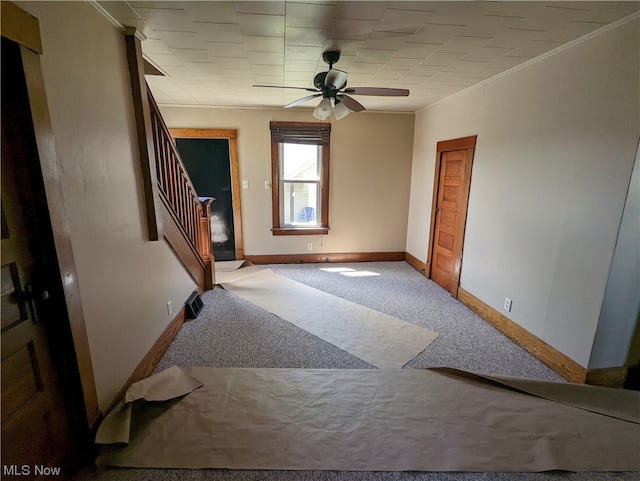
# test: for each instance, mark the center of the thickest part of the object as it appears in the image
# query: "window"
(300, 177)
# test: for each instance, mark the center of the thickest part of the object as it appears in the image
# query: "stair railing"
(177, 191)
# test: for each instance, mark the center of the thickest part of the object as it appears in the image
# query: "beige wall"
(621, 304)
(555, 149)
(369, 185)
(125, 281)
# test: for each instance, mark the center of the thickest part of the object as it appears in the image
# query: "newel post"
(204, 242)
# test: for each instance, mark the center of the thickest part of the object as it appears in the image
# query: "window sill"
(300, 230)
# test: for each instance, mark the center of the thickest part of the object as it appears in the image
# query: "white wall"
(125, 281)
(555, 149)
(370, 172)
(621, 304)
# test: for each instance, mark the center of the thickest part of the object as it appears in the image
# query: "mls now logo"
(26, 470)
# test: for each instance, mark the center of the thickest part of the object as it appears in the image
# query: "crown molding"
(139, 35)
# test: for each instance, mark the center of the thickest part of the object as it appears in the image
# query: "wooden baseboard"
(561, 364)
(609, 377)
(152, 358)
(320, 258)
(416, 263)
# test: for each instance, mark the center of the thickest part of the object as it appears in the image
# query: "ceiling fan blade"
(285, 87)
(381, 91)
(352, 103)
(335, 79)
(301, 101)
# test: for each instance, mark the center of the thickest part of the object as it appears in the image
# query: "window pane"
(300, 204)
(300, 162)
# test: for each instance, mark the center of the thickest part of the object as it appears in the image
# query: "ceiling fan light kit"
(340, 110)
(323, 110)
(332, 87)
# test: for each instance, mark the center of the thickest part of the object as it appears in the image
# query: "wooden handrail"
(177, 191)
(173, 210)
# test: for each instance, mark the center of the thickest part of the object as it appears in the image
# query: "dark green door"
(207, 162)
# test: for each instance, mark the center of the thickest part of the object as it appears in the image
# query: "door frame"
(231, 135)
(69, 339)
(463, 143)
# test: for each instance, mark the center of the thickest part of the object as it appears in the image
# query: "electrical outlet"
(507, 304)
(169, 307)
(309, 247)
(267, 184)
(245, 184)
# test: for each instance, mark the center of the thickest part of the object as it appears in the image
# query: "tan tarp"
(230, 266)
(371, 420)
(379, 339)
(164, 386)
(625, 404)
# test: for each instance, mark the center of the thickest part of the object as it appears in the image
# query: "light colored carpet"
(377, 338)
(231, 332)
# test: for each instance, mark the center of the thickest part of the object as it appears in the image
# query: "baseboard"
(416, 263)
(609, 377)
(554, 359)
(152, 358)
(320, 258)
(560, 363)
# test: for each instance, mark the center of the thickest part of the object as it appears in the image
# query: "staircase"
(185, 216)
(173, 210)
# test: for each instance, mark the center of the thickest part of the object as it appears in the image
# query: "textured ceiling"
(213, 52)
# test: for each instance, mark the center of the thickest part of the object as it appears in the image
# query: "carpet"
(379, 339)
(366, 420)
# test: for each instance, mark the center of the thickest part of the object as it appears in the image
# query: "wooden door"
(36, 432)
(451, 193)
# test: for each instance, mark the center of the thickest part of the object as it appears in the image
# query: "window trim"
(278, 228)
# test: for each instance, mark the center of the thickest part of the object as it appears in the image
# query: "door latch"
(33, 299)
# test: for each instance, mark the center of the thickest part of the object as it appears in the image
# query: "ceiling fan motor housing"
(331, 57)
(319, 82)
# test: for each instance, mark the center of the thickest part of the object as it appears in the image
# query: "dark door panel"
(207, 162)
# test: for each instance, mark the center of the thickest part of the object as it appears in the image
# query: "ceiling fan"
(332, 87)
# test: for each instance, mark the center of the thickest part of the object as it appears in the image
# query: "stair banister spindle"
(174, 183)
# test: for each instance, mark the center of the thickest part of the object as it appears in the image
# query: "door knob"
(31, 296)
